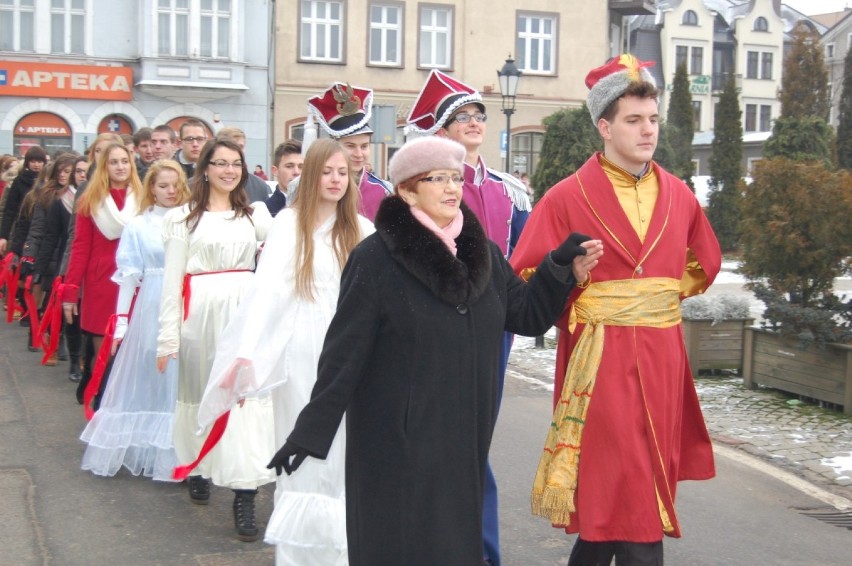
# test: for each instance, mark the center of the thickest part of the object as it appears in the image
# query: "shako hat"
(440, 97)
(343, 110)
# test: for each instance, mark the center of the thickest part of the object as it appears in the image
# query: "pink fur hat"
(425, 154)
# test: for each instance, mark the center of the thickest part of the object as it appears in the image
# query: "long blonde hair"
(151, 178)
(97, 189)
(345, 234)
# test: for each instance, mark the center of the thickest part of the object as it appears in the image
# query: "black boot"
(244, 514)
(199, 490)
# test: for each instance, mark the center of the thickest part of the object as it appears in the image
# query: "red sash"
(11, 273)
(187, 288)
(32, 311)
(100, 366)
(51, 322)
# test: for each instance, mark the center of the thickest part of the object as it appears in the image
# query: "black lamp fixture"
(509, 77)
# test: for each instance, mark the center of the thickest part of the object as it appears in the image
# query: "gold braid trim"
(652, 302)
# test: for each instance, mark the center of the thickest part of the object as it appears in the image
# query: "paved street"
(53, 513)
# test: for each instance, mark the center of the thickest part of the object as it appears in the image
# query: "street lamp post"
(509, 77)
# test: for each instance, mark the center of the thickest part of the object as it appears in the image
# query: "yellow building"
(390, 46)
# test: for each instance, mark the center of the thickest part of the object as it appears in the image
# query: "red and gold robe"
(644, 430)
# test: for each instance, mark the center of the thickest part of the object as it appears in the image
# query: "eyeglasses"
(222, 164)
(442, 179)
(192, 139)
(464, 118)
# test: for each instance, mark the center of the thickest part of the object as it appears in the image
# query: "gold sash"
(653, 302)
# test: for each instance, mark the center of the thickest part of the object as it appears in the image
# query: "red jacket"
(90, 269)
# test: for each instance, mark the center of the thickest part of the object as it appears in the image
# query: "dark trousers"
(490, 519)
(587, 553)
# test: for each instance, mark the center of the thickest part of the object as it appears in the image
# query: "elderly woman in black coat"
(411, 358)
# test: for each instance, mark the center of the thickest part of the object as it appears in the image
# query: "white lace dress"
(133, 426)
(219, 256)
(278, 337)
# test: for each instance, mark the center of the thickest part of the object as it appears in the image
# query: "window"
(385, 35)
(436, 36)
(681, 55)
(760, 24)
(526, 152)
(690, 18)
(829, 51)
(215, 28)
(751, 118)
(322, 31)
(696, 115)
(751, 64)
(66, 26)
(766, 66)
(536, 47)
(173, 27)
(17, 25)
(765, 118)
(696, 64)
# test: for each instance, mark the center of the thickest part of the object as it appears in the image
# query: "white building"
(70, 69)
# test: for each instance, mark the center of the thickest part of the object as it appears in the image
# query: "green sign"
(699, 84)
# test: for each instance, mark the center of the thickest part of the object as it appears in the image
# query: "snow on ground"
(842, 465)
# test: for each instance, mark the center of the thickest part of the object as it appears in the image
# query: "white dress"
(278, 337)
(219, 255)
(133, 426)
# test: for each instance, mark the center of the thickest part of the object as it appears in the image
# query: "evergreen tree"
(570, 138)
(723, 208)
(681, 127)
(804, 84)
(844, 128)
(807, 138)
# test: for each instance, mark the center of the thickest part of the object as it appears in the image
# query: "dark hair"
(141, 135)
(49, 191)
(34, 153)
(199, 186)
(127, 138)
(640, 89)
(191, 123)
(167, 129)
(286, 148)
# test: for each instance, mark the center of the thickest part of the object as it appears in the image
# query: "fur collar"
(453, 279)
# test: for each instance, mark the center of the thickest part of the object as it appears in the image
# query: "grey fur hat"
(608, 82)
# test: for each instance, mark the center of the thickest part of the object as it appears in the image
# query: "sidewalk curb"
(838, 502)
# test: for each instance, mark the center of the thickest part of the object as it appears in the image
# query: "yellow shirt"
(636, 196)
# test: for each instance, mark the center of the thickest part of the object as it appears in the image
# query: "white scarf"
(110, 221)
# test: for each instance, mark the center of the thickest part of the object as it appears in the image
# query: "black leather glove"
(281, 460)
(569, 249)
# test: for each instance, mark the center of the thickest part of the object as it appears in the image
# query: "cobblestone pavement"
(811, 442)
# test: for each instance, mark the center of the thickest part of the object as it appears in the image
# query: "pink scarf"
(448, 234)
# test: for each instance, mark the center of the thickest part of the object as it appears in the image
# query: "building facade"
(836, 43)
(390, 46)
(718, 40)
(70, 69)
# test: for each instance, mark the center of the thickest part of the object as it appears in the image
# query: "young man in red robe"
(627, 425)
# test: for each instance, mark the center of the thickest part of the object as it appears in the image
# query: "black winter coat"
(22, 185)
(412, 357)
(53, 242)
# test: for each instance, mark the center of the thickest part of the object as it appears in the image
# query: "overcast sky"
(810, 7)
